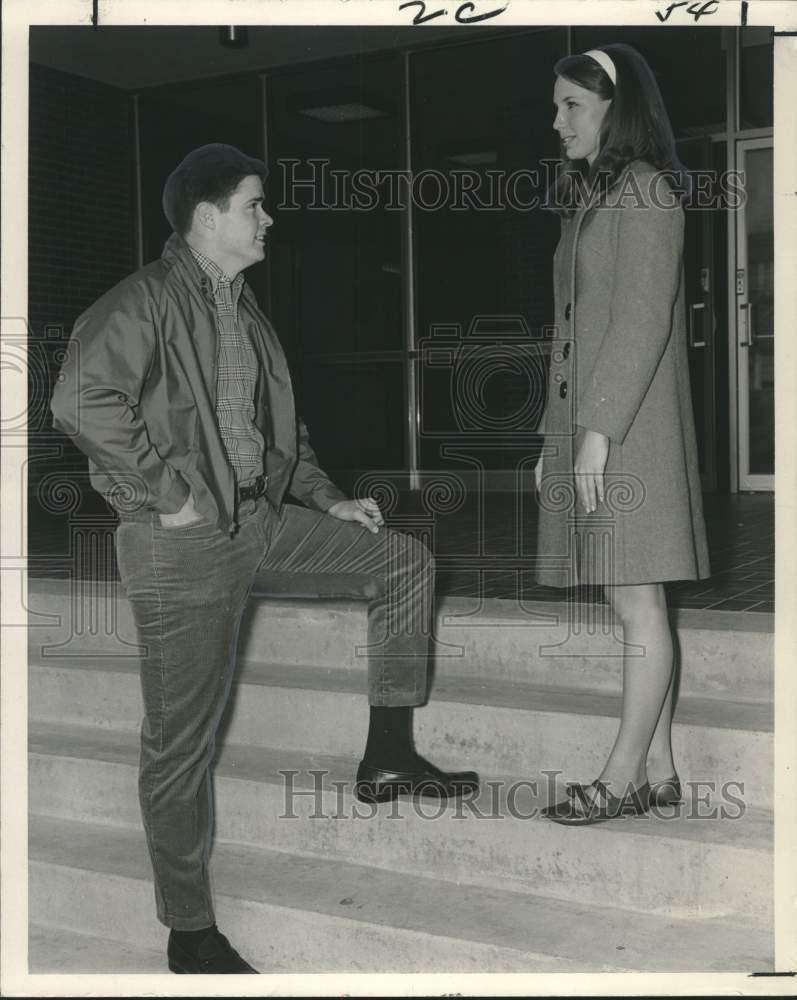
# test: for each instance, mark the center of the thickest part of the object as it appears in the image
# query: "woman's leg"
(647, 686)
(661, 764)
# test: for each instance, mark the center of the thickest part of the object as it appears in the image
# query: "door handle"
(692, 310)
(746, 313)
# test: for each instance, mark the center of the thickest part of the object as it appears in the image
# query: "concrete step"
(711, 860)
(494, 725)
(721, 654)
(66, 951)
(291, 913)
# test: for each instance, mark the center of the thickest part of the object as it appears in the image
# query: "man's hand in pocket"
(187, 514)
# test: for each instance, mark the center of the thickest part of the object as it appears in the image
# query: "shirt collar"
(215, 273)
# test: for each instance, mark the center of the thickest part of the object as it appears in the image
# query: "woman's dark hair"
(636, 127)
(211, 173)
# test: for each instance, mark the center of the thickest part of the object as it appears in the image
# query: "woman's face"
(579, 115)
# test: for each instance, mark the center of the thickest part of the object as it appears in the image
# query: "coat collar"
(176, 252)
(595, 200)
(637, 168)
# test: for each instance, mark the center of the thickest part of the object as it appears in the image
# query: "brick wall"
(81, 197)
(81, 218)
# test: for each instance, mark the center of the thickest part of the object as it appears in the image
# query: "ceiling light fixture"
(233, 37)
(340, 105)
(480, 158)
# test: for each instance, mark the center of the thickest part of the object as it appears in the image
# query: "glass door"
(755, 329)
(337, 264)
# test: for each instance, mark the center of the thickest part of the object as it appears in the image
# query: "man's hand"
(365, 511)
(187, 514)
(588, 468)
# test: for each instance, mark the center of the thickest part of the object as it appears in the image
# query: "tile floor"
(741, 537)
(492, 560)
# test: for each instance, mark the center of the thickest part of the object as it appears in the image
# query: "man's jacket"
(137, 394)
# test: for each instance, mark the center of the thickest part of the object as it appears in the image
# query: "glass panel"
(337, 247)
(355, 415)
(760, 296)
(482, 118)
(482, 392)
(695, 104)
(755, 77)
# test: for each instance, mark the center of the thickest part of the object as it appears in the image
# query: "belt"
(253, 489)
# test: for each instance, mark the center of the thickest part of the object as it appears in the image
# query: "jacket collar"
(177, 252)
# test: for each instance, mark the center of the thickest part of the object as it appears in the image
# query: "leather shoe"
(579, 810)
(377, 785)
(662, 793)
(214, 954)
(666, 793)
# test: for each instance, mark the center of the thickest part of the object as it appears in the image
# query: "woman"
(618, 481)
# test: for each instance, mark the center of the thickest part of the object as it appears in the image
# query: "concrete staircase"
(307, 879)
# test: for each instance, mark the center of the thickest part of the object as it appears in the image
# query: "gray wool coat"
(619, 366)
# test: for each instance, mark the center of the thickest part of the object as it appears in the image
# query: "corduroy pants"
(188, 587)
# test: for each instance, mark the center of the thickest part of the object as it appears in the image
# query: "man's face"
(240, 230)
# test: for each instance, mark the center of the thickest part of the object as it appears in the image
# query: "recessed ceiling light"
(475, 158)
(340, 105)
(342, 113)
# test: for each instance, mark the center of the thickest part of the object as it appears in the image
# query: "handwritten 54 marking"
(697, 10)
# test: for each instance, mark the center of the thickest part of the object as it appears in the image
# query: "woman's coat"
(619, 366)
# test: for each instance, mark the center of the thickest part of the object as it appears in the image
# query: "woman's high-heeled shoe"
(662, 793)
(666, 793)
(579, 810)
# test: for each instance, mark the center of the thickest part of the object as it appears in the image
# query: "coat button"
(566, 350)
(563, 389)
(567, 311)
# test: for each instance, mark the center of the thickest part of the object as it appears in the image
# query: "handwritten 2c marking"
(466, 13)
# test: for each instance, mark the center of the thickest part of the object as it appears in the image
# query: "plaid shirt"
(236, 376)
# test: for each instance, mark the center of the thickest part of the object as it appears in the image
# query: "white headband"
(605, 61)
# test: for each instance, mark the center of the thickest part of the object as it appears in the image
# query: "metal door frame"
(739, 330)
(704, 395)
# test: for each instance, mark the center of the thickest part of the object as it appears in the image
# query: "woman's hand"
(588, 468)
(365, 511)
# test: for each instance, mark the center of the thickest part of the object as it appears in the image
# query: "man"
(177, 390)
